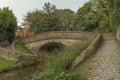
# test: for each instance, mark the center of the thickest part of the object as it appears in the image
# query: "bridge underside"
(50, 45)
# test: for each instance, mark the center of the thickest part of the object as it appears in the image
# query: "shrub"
(51, 74)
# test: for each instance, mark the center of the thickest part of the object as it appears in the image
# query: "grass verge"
(8, 65)
(5, 63)
(56, 66)
(22, 48)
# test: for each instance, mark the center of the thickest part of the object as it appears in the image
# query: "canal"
(25, 73)
(28, 72)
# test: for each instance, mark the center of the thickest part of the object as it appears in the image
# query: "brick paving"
(105, 64)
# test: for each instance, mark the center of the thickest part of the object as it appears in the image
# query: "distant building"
(23, 32)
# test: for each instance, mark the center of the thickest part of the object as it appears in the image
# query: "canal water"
(28, 72)
(25, 73)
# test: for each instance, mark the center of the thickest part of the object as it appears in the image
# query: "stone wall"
(35, 46)
(60, 35)
(13, 54)
(20, 55)
(7, 54)
(88, 52)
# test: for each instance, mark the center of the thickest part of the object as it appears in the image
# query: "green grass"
(22, 48)
(66, 57)
(59, 64)
(5, 63)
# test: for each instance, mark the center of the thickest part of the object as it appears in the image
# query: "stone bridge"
(65, 38)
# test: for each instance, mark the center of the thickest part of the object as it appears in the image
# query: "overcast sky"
(21, 7)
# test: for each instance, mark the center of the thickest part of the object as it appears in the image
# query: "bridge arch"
(35, 46)
(51, 47)
(63, 37)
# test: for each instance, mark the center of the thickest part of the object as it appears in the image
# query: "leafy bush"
(51, 74)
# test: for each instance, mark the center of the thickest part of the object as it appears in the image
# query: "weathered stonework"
(13, 54)
(35, 46)
(66, 38)
(87, 52)
(7, 54)
(60, 35)
(105, 64)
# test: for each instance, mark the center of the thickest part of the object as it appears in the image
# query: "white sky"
(21, 7)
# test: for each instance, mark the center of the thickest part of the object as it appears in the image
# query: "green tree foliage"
(66, 16)
(99, 15)
(103, 15)
(35, 20)
(49, 8)
(8, 24)
(86, 17)
(52, 22)
(49, 19)
(43, 20)
(114, 10)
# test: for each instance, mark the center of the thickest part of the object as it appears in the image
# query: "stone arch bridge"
(65, 38)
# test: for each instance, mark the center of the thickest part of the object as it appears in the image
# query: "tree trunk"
(115, 4)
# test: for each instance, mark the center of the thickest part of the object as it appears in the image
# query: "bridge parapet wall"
(60, 35)
(88, 52)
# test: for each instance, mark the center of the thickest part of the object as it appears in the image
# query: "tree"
(43, 20)
(8, 24)
(35, 20)
(66, 16)
(115, 3)
(49, 8)
(99, 15)
(86, 17)
(114, 14)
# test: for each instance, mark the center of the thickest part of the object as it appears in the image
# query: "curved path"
(105, 64)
